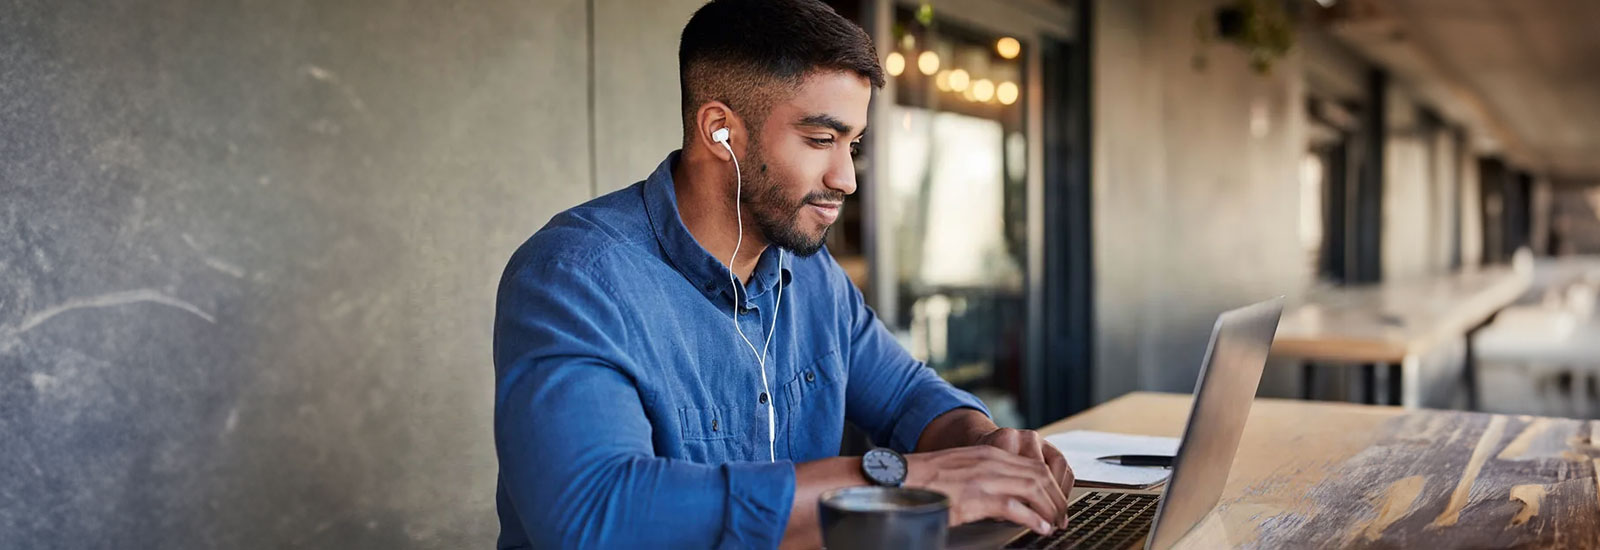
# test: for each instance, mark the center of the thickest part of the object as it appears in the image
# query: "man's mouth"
(828, 211)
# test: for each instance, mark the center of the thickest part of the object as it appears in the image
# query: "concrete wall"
(1407, 192)
(252, 250)
(637, 108)
(1471, 211)
(1446, 187)
(1195, 189)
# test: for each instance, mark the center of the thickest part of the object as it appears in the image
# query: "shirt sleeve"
(890, 394)
(577, 465)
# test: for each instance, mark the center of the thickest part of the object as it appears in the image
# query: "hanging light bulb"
(1008, 47)
(1006, 92)
(895, 64)
(959, 80)
(928, 63)
(942, 80)
(983, 90)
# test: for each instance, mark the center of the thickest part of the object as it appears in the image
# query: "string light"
(1008, 47)
(1006, 92)
(928, 63)
(983, 90)
(895, 64)
(959, 80)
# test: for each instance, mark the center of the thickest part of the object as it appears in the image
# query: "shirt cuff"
(927, 405)
(760, 496)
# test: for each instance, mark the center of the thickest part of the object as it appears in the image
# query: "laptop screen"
(1226, 387)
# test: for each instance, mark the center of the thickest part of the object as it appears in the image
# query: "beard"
(775, 215)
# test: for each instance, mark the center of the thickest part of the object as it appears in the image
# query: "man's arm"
(576, 457)
(578, 467)
(812, 479)
(957, 428)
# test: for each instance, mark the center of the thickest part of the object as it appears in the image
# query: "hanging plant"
(1262, 27)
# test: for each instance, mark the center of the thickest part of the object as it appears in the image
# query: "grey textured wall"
(249, 257)
(637, 110)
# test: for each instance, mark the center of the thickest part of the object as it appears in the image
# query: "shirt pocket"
(814, 414)
(708, 437)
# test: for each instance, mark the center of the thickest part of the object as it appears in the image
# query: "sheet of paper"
(1084, 448)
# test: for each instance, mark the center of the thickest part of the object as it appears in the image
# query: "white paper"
(1084, 448)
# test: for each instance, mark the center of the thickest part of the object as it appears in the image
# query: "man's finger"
(1062, 473)
(1016, 512)
(1029, 491)
(1059, 468)
(1029, 446)
(1047, 475)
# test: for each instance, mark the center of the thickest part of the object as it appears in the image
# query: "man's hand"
(986, 482)
(1029, 444)
(972, 431)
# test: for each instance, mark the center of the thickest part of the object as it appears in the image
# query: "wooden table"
(1393, 325)
(1334, 475)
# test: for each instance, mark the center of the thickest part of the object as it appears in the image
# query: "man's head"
(791, 80)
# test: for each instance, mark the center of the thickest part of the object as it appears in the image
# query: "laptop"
(1118, 519)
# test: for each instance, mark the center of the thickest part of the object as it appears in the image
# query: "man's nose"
(841, 174)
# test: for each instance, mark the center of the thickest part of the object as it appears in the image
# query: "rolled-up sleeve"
(890, 394)
(577, 467)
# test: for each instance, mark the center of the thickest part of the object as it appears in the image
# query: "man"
(673, 371)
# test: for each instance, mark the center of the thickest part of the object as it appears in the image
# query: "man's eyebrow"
(828, 121)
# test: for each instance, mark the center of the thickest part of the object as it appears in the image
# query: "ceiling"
(1524, 74)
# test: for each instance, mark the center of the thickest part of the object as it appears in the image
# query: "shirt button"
(763, 398)
(713, 424)
(810, 377)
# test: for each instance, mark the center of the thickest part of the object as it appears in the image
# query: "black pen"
(1156, 461)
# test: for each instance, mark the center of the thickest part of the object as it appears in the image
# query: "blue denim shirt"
(629, 414)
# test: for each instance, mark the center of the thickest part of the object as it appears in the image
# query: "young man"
(675, 361)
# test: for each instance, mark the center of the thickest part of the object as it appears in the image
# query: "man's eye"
(822, 142)
(855, 148)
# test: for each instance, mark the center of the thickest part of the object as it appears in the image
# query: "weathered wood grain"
(1323, 475)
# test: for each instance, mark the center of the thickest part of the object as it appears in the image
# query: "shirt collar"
(705, 272)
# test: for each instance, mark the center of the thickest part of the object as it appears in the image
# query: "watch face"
(884, 467)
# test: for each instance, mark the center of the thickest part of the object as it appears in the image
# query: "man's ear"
(713, 116)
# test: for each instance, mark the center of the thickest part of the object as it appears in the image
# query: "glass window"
(955, 204)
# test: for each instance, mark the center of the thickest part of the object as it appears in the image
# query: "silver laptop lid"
(1222, 396)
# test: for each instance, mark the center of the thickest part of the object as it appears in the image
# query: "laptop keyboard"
(1108, 521)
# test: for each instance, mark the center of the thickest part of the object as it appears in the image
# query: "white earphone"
(721, 136)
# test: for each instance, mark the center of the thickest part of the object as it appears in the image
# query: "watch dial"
(884, 467)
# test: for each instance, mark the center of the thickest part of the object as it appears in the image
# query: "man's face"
(800, 167)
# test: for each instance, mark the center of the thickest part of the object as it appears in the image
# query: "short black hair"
(747, 53)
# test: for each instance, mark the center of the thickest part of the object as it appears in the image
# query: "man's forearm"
(811, 479)
(956, 428)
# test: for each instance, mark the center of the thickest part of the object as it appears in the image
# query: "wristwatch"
(884, 467)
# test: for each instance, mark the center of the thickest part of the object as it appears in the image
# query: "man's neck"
(700, 182)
